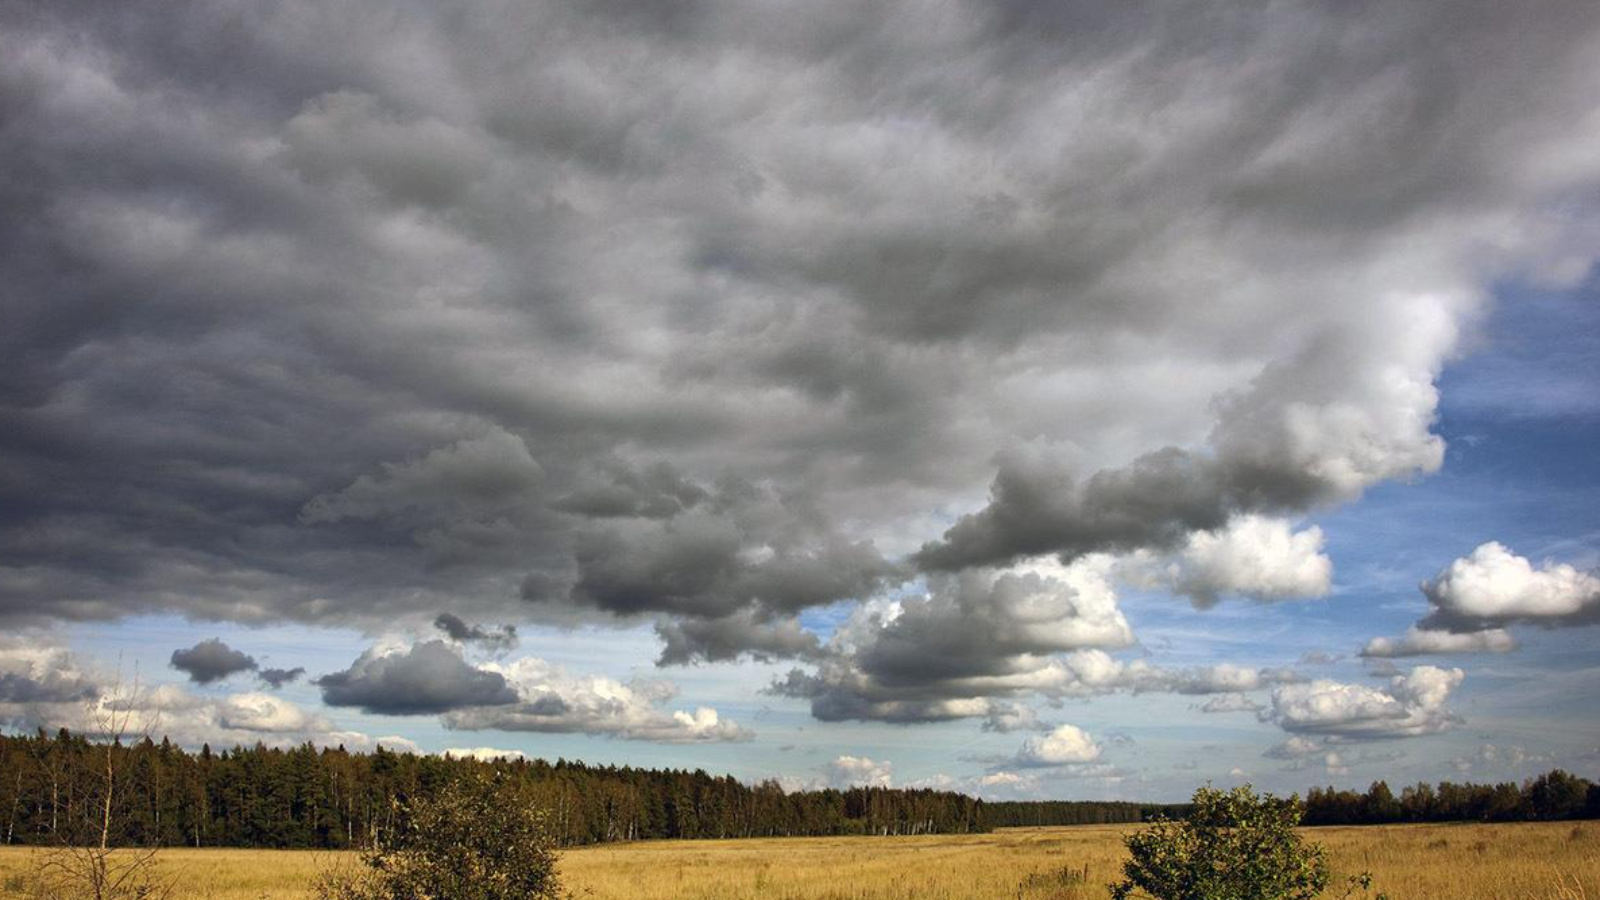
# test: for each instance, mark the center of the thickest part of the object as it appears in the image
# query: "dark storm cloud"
(20, 688)
(728, 638)
(703, 567)
(499, 639)
(277, 678)
(735, 571)
(655, 313)
(620, 491)
(427, 678)
(1290, 441)
(37, 676)
(211, 660)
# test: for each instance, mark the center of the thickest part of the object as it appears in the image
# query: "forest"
(331, 798)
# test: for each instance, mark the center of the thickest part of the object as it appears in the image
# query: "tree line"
(331, 798)
(1552, 796)
(1555, 795)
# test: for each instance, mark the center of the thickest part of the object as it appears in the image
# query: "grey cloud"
(429, 677)
(211, 660)
(310, 320)
(499, 640)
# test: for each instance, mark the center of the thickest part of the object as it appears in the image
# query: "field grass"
(1409, 862)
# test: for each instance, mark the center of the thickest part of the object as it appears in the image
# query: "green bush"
(476, 839)
(1235, 845)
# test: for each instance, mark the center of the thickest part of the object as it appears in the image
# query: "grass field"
(1410, 862)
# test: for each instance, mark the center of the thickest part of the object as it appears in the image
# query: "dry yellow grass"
(1560, 861)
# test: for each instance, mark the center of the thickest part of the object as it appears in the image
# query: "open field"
(1410, 862)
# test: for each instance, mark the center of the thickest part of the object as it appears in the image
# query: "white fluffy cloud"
(482, 754)
(1063, 745)
(980, 639)
(1494, 586)
(1253, 556)
(552, 700)
(264, 712)
(859, 771)
(1300, 752)
(1004, 779)
(43, 685)
(1424, 642)
(1228, 703)
(1410, 705)
(432, 677)
(1473, 600)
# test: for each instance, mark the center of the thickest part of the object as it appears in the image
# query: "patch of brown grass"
(1539, 861)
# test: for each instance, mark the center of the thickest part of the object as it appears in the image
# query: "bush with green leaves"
(1234, 845)
(476, 839)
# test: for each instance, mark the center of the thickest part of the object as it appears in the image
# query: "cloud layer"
(890, 344)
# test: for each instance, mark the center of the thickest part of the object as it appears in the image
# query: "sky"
(1036, 400)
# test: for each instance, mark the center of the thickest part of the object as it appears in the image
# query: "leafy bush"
(1235, 845)
(476, 839)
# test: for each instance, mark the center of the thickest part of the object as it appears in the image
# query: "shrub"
(1234, 845)
(476, 839)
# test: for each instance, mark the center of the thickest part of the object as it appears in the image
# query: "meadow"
(1531, 861)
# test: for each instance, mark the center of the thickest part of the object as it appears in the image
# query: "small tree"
(85, 865)
(475, 839)
(1235, 845)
